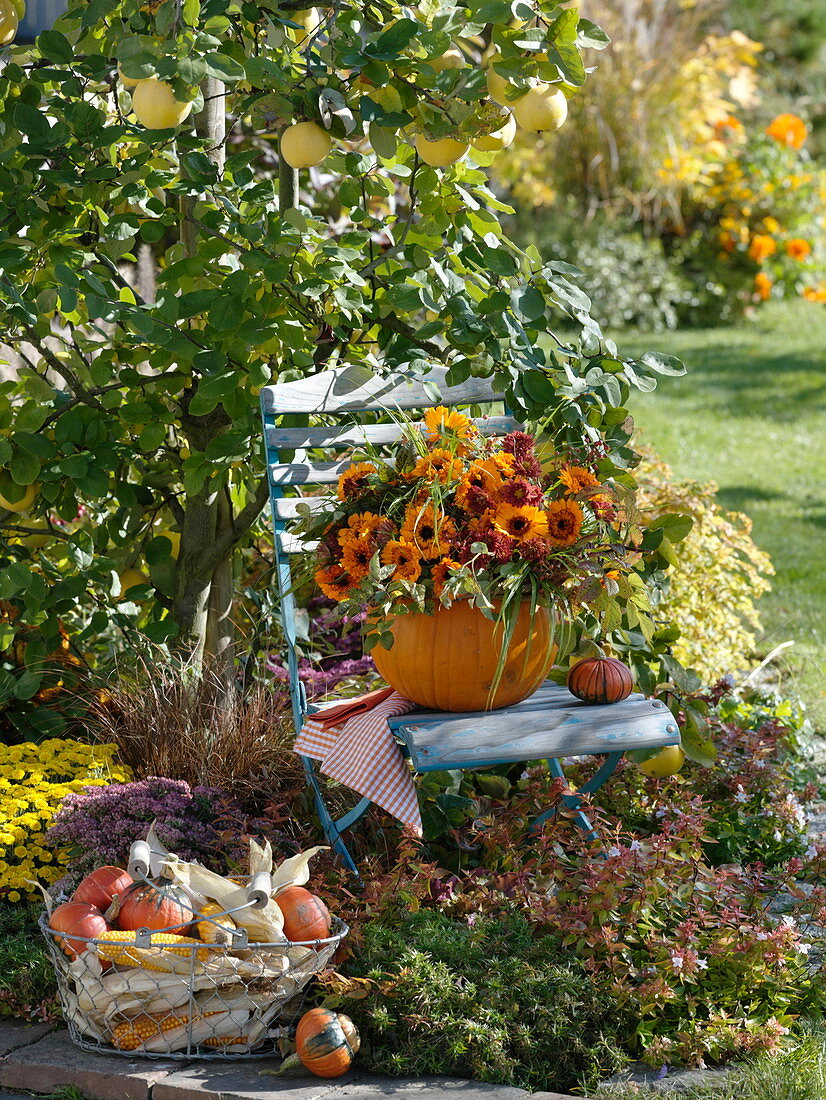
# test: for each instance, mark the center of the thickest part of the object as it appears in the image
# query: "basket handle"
(259, 889)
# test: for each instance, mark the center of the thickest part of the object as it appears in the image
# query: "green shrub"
(480, 998)
(718, 574)
(627, 276)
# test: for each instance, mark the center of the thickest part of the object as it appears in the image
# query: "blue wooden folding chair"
(340, 409)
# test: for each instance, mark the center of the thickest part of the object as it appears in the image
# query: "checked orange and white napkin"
(355, 746)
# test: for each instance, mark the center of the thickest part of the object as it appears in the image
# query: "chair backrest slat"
(308, 473)
(358, 389)
(356, 435)
(286, 508)
(294, 544)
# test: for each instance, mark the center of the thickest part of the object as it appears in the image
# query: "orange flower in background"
(815, 293)
(430, 533)
(727, 241)
(354, 479)
(578, 479)
(564, 522)
(727, 127)
(334, 581)
(788, 130)
(763, 285)
(761, 247)
(441, 421)
(406, 559)
(798, 249)
(522, 522)
(438, 463)
(440, 572)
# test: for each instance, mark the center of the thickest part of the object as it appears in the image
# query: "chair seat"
(551, 723)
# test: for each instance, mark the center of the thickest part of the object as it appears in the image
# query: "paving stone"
(54, 1061)
(425, 1088)
(15, 1034)
(553, 1096)
(250, 1081)
(676, 1081)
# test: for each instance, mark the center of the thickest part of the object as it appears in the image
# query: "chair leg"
(331, 827)
(573, 799)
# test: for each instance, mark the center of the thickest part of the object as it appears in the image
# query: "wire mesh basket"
(140, 995)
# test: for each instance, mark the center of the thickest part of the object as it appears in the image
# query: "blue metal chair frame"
(345, 394)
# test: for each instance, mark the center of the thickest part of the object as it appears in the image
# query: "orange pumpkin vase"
(449, 660)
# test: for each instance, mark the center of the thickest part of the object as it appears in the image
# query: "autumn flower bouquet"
(452, 514)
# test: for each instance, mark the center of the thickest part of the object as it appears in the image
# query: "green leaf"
(383, 140)
(152, 436)
(31, 122)
(24, 467)
(54, 46)
(227, 313)
(675, 524)
(221, 67)
(663, 364)
(528, 303)
(394, 39)
(28, 684)
(539, 387)
(590, 36)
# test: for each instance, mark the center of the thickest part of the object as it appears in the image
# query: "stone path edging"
(41, 1058)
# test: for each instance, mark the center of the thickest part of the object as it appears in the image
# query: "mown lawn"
(750, 415)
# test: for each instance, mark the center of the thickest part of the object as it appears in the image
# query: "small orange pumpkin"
(326, 1042)
(306, 917)
(80, 919)
(600, 680)
(101, 886)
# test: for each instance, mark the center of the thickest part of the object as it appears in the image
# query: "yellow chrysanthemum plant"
(34, 780)
(450, 514)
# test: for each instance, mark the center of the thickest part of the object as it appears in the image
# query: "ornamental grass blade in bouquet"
(448, 514)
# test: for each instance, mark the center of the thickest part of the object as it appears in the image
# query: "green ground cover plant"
(28, 989)
(749, 416)
(482, 998)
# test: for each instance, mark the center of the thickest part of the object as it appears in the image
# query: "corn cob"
(134, 1033)
(218, 930)
(224, 1040)
(119, 947)
(142, 1031)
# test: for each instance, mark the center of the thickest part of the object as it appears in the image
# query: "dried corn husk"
(263, 925)
(79, 1005)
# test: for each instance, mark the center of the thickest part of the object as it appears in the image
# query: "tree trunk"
(203, 601)
(220, 628)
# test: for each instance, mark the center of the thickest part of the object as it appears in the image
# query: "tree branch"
(240, 525)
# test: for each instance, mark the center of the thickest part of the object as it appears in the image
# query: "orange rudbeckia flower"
(564, 522)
